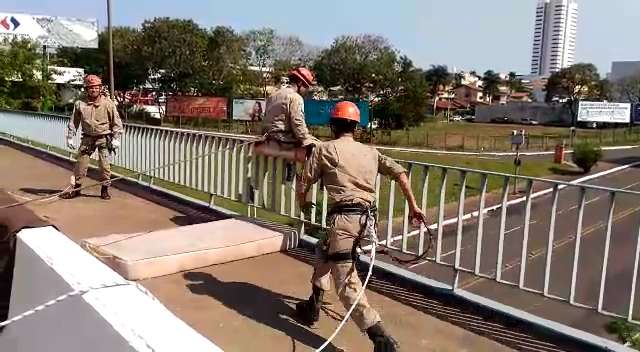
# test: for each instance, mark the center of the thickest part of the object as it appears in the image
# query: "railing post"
(503, 224)
(460, 226)
(480, 235)
(576, 251)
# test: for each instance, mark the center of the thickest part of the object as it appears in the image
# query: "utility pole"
(111, 80)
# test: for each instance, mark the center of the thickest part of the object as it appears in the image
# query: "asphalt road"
(619, 270)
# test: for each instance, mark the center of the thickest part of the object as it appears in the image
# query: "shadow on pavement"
(256, 303)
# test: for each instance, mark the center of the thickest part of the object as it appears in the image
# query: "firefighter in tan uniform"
(101, 129)
(284, 126)
(348, 170)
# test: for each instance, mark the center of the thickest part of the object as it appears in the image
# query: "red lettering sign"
(207, 107)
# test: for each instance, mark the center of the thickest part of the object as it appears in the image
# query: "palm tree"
(438, 77)
(491, 84)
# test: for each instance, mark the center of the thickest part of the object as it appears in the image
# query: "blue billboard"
(318, 112)
(635, 113)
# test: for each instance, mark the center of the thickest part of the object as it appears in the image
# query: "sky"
(463, 34)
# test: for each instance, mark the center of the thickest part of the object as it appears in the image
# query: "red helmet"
(92, 80)
(303, 74)
(346, 110)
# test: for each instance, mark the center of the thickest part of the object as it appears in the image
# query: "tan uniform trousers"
(342, 233)
(88, 145)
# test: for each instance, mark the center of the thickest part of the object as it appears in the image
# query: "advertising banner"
(604, 112)
(318, 112)
(207, 107)
(248, 109)
(50, 31)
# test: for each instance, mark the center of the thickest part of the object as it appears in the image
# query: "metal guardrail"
(550, 259)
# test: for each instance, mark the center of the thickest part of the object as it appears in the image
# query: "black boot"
(73, 194)
(308, 312)
(104, 193)
(382, 341)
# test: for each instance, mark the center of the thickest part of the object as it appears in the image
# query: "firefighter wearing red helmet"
(284, 123)
(348, 170)
(101, 130)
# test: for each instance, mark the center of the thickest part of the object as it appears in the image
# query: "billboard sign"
(248, 109)
(50, 31)
(206, 107)
(604, 112)
(636, 113)
(318, 112)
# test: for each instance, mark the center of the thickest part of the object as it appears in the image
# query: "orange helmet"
(304, 75)
(346, 110)
(92, 80)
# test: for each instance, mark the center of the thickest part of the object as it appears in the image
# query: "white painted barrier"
(122, 318)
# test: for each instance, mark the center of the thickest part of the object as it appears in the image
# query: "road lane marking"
(475, 214)
(533, 222)
(560, 243)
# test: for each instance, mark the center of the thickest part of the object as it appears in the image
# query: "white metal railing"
(530, 244)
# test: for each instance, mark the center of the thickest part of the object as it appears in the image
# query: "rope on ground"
(59, 299)
(134, 173)
(77, 293)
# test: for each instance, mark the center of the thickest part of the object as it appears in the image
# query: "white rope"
(131, 174)
(81, 292)
(59, 299)
(371, 231)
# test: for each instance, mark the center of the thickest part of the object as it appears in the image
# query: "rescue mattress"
(164, 252)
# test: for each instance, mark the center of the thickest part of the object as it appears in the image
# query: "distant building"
(537, 85)
(623, 69)
(469, 94)
(520, 97)
(554, 39)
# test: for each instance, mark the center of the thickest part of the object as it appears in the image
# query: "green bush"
(586, 156)
(627, 333)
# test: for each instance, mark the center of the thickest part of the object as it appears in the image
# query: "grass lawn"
(453, 185)
(458, 136)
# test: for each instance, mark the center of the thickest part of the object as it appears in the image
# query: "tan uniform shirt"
(97, 118)
(348, 170)
(284, 118)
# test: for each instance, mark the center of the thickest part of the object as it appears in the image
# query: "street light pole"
(111, 80)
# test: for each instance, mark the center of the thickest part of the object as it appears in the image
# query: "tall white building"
(554, 39)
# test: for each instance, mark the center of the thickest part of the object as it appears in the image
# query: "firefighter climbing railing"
(568, 241)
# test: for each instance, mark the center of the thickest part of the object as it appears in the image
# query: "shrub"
(586, 155)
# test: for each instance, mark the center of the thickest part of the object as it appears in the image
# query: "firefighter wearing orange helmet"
(284, 125)
(101, 130)
(348, 170)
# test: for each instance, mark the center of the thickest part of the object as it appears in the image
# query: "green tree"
(226, 63)
(438, 79)
(491, 82)
(403, 104)
(262, 51)
(290, 52)
(175, 51)
(457, 79)
(602, 90)
(586, 156)
(573, 84)
(129, 70)
(22, 84)
(362, 65)
(515, 84)
(628, 88)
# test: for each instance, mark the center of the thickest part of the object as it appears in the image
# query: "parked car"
(456, 118)
(503, 119)
(469, 118)
(529, 121)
